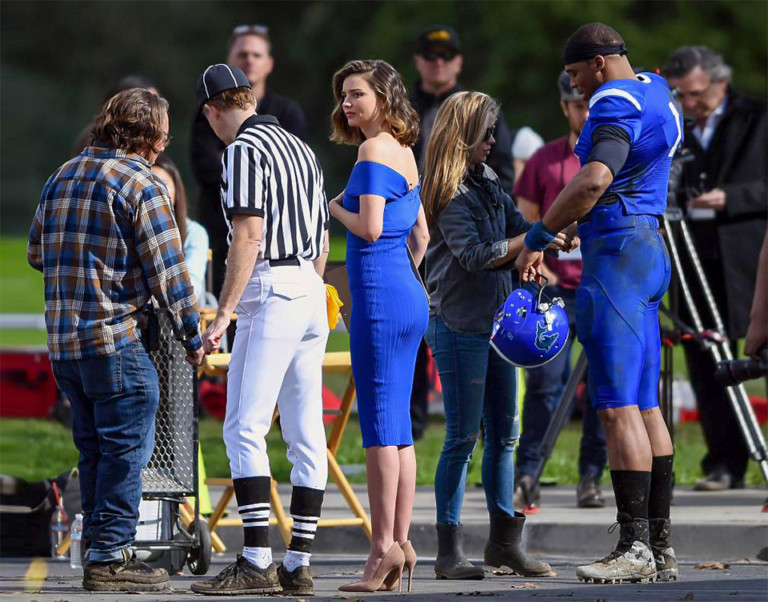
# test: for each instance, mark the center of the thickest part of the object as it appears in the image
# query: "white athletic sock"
(261, 557)
(294, 559)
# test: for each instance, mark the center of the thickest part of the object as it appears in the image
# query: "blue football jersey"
(645, 109)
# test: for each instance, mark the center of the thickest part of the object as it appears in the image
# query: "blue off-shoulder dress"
(389, 307)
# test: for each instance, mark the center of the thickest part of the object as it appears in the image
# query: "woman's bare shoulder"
(375, 149)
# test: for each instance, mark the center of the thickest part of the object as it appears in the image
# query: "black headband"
(576, 52)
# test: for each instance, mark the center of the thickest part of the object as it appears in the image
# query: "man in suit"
(723, 190)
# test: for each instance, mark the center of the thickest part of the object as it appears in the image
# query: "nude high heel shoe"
(390, 566)
(390, 583)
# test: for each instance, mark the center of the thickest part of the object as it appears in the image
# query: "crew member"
(723, 191)
(250, 50)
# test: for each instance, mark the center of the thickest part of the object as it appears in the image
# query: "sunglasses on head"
(433, 54)
(240, 30)
(489, 133)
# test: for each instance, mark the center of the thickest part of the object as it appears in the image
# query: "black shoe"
(504, 547)
(663, 553)
(719, 480)
(588, 494)
(241, 577)
(127, 575)
(297, 582)
(527, 494)
(451, 563)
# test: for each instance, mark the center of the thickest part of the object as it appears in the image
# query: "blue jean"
(544, 388)
(477, 386)
(114, 400)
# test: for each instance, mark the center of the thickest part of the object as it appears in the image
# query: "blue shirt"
(645, 110)
(106, 241)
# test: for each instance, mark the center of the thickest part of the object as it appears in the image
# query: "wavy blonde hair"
(389, 89)
(459, 128)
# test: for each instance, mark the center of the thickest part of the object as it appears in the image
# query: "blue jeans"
(477, 386)
(114, 400)
(544, 388)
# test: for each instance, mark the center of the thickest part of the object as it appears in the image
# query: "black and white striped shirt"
(271, 173)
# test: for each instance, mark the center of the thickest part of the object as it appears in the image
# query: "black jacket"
(737, 162)
(206, 150)
(465, 289)
(500, 158)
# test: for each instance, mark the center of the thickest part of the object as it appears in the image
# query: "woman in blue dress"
(382, 212)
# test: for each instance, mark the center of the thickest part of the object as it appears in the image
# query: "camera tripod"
(716, 343)
(713, 341)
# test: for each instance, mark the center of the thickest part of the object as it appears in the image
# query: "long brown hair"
(132, 120)
(164, 162)
(388, 86)
(460, 127)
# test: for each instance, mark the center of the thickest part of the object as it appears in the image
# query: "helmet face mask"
(528, 332)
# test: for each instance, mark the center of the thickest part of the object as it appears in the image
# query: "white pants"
(277, 358)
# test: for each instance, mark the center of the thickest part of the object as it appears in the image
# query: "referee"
(274, 201)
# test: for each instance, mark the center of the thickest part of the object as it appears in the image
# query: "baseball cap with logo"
(217, 79)
(439, 40)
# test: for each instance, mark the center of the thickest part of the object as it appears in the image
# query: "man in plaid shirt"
(105, 239)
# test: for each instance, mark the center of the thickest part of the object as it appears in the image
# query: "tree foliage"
(59, 58)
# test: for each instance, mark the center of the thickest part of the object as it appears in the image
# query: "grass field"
(36, 449)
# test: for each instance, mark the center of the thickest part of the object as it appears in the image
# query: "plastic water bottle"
(59, 530)
(75, 539)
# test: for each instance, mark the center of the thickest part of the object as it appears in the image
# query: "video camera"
(732, 372)
(682, 156)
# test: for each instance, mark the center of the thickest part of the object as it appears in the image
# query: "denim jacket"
(465, 289)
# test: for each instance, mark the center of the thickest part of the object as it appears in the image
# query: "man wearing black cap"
(274, 201)
(250, 50)
(438, 60)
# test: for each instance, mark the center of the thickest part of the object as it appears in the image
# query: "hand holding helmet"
(529, 331)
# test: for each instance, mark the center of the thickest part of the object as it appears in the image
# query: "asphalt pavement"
(741, 582)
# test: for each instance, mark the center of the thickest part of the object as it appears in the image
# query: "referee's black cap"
(217, 79)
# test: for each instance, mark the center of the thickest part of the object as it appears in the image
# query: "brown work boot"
(127, 575)
(588, 494)
(240, 578)
(297, 582)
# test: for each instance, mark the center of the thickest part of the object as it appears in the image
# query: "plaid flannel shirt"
(106, 241)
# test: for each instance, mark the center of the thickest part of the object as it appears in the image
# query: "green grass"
(36, 449)
(21, 287)
(21, 291)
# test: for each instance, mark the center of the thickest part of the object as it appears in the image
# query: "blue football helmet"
(527, 330)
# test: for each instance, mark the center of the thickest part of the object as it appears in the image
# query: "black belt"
(275, 263)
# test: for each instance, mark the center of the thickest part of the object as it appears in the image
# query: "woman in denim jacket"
(475, 234)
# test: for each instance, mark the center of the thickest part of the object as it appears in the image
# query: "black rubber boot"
(451, 563)
(504, 549)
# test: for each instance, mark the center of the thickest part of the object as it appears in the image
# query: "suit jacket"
(737, 162)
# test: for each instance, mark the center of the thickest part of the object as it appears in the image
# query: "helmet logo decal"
(543, 340)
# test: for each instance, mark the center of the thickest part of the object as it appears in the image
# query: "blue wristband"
(539, 237)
